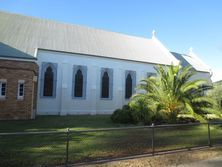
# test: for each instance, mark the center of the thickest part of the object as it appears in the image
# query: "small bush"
(147, 117)
(121, 116)
(115, 117)
(141, 111)
(138, 112)
(159, 117)
(125, 115)
(136, 116)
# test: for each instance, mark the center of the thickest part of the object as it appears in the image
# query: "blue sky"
(179, 24)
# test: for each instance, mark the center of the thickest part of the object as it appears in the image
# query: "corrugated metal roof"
(10, 52)
(27, 33)
(193, 60)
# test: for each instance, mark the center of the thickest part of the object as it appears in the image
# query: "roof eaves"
(16, 57)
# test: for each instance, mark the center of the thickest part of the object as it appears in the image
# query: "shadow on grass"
(102, 145)
(29, 150)
(59, 123)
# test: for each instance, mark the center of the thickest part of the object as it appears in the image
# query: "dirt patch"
(172, 159)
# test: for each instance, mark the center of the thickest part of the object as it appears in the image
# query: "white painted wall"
(64, 104)
(202, 75)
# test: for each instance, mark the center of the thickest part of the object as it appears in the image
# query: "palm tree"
(174, 91)
(216, 94)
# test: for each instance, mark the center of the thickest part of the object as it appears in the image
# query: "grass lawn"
(58, 123)
(44, 149)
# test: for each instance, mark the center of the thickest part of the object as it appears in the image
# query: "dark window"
(3, 89)
(105, 85)
(21, 89)
(48, 82)
(78, 84)
(128, 87)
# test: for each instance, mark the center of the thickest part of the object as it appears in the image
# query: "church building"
(52, 68)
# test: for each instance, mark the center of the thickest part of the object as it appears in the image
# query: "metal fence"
(72, 147)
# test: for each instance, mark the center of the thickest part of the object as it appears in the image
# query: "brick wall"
(11, 107)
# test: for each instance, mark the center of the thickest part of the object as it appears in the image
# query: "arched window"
(105, 85)
(48, 82)
(79, 82)
(78, 91)
(128, 87)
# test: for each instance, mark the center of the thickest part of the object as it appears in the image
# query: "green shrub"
(136, 116)
(159, 117)
(147, 117)
(141, 111)
(121, 116)
(138, 112)
(115, 117)
(125, 115)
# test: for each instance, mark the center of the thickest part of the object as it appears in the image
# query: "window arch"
(128, 87)
(48, 82)
(48, 79)
(130, 83)
(78, 91)
(79, 81)
(105, 85)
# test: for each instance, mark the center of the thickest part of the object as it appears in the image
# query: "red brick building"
(18, 87)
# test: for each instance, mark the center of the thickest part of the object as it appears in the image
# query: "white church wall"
(202, 75)
(64, 103)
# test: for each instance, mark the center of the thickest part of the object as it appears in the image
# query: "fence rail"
(77, 146)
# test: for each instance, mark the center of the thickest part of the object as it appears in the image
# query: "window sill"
(109, 98)
(79, 98)
(47, 97)
(2, 98)
(20, 98)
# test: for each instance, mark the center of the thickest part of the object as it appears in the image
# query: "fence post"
(209, 137)
(153, 150)
(67, 146)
